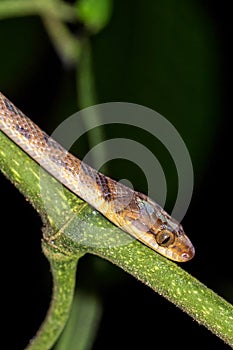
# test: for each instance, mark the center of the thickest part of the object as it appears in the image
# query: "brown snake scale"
(132, 211)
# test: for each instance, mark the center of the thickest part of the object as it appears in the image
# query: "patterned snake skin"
(132, 211)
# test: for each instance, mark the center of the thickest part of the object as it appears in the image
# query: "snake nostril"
(185, 256)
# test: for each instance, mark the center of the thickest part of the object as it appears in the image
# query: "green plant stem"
(82, 326)
(63, 270)
(175, 284)
(85, 77)
(87, 97)
(91, 232)
(66, 44)
(56, 8)
(53, 13)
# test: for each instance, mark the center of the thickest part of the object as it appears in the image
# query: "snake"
(131, 211)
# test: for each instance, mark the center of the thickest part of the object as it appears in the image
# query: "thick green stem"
(87, 230)
(63, 269)
(82, 326)
(175, 284)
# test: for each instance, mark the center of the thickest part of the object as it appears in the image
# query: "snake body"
(132, 211)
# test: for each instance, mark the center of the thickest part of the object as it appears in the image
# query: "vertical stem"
(87, 97)
(66, 45)
(85, 77)
(63, 269)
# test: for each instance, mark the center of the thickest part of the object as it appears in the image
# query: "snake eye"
(165, 238)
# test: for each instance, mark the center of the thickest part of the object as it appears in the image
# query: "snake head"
(170, 239)
(172, 242)
(159, 231)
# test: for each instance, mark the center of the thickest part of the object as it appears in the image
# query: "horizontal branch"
(79, 228)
